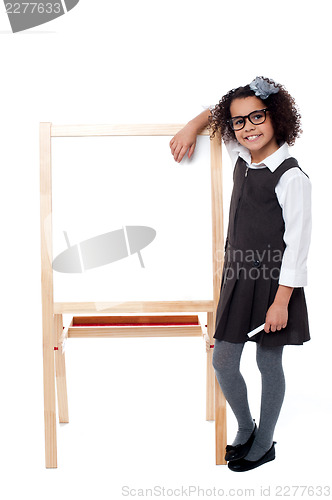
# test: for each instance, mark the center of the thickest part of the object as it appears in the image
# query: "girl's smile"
(258, 139)
(252, 138)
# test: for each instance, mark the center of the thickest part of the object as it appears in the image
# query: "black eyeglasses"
(255, 117)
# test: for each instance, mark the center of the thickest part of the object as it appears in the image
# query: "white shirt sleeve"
(294, 195)
(232, 151)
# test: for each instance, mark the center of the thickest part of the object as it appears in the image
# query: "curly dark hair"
(285, 117)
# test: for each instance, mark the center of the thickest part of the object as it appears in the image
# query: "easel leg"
(217, 399)
(49, 396)
(209, 371)
(60, 366)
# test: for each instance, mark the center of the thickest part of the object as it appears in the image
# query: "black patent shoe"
(240, 450)
(243, 465)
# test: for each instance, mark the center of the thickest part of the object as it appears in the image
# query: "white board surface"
(118, 187)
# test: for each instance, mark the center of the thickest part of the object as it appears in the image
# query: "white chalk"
(256, 330)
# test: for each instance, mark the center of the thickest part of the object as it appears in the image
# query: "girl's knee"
(216, 360)
(224, 360)
(219, 361)
(269, 358)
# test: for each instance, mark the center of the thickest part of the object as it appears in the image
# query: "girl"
(265, 253)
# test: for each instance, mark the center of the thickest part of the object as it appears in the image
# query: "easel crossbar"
(117, 130)
(133, 307)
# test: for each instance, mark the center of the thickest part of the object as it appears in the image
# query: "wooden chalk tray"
(134, 326)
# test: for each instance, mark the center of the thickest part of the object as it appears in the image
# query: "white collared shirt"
(294, 196)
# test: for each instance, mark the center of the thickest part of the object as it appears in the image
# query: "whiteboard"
(128, 222)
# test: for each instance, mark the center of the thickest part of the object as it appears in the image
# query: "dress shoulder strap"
(286, 165)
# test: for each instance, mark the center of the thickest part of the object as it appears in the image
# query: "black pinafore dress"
(253, 254)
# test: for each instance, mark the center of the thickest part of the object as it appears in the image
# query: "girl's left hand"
(276, 318)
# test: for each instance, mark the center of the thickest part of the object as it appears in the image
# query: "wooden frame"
(113, 325)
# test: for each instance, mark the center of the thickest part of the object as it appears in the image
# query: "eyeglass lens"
(255, 117)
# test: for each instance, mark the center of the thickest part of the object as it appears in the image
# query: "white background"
(137, 407)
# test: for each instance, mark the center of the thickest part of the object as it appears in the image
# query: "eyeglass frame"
(244, 119)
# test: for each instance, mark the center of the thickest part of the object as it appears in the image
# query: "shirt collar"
(272, 162)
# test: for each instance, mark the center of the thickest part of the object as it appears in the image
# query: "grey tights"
(226, 362)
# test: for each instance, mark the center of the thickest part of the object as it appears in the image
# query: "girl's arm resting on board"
(277, 314)
(185, 139)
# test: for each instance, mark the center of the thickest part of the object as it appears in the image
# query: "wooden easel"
(111, 322)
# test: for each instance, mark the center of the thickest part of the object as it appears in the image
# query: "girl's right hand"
(183, 141)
